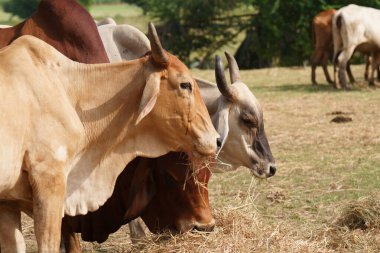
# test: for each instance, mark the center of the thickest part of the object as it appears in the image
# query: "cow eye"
(186, 86)
(248, 122)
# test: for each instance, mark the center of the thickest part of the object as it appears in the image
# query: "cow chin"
(184, 226)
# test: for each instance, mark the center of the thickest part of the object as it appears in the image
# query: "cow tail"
(339, 22)
(337, 37)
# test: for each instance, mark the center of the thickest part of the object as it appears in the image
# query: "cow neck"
(106, 97)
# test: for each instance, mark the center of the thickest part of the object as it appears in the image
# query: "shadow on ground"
(308, 88)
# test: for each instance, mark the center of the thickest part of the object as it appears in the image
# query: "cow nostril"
(218, 142)
(272, 170)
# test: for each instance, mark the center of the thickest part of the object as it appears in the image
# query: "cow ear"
(149, 97)
(220, 122)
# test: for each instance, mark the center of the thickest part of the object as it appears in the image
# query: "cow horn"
(233, 67)
(221, 81)
(158, 52)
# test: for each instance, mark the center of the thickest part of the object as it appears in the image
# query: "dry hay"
(361, 214)
(238, 229)
(357, 227)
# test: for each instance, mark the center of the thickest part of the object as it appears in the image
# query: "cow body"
(65, 25)
(354, 29)
(71, 122)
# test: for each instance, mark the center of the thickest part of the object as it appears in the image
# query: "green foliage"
(194, 26)
(278, 32)
(24, 8)
(21, 8)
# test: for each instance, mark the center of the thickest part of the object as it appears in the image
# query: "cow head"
(181, 200)
(239, 121)
(172, 99)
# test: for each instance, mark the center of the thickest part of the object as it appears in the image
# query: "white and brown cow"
(354, 29)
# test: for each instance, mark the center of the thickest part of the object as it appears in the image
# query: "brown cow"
(62, 138)
(72, 33)
(65, 25)
(323, 43)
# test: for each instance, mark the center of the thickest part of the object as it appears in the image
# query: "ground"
(322, 167)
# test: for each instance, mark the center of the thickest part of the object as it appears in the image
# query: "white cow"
(355, 28)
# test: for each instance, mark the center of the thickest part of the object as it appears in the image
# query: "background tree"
(195, 29)
(278, 32)
(24, 8)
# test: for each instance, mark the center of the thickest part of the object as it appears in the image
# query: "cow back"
(65, 25)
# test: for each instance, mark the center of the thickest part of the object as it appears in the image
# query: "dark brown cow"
(177, 197)
(65, 25)
(181, 202)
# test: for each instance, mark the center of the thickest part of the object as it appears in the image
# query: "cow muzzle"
(184, 226)
(264, 170)
(206, 145)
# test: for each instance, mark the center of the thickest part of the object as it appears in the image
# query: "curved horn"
(158, 52)
(233, 67)
(221, 81)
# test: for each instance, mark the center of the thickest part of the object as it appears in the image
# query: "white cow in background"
(355, 28)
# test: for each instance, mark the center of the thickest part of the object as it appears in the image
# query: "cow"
(354, 30)
(224, 106)
(71, 128)
(183, 190)
(65, 25)
(324, 46)
(323, 43)
(69, 28)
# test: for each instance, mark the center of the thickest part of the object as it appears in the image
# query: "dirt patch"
(341, 119)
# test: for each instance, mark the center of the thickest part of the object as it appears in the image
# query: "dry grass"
(326, 171)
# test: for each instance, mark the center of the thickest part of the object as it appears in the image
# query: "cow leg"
(368, 62)
(349, 73)
(11, 239)
(374, 67)
(316, 59)
(342, 61)
(138, 230)
(69, 239)
(48, 188)
(325, 70)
